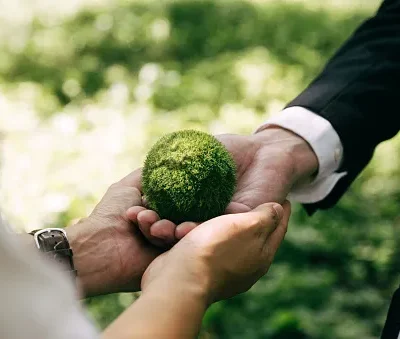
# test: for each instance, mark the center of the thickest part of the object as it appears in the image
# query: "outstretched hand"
(206, 266)
(209, 255)
(268, 164)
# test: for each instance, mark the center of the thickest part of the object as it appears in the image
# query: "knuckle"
(115, 185)
(203, 250)
(131, 190)
(270, 219)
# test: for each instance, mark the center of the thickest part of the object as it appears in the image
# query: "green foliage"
(189, 176)
(105, 308)
(217, 66)
(197, 43)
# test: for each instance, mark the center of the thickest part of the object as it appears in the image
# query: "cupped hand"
(224, 256)
(110, 253)
(268, 164)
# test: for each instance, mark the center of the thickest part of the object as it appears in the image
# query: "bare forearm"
(93, 258)
(162, 314)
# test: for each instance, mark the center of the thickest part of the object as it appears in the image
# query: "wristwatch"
(53, 242)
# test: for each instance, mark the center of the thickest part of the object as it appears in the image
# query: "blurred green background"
(87, 86)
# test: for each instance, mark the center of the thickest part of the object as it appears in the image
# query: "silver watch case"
(45, 230)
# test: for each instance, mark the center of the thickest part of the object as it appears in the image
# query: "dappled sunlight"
(160, 29)
(76, 153)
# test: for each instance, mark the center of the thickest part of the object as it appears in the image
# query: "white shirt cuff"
(324, 141)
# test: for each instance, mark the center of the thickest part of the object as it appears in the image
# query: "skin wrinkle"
(116, 231)
(118, 246)
(294, 153)
(89, 240)
(247, 154)
(242, 170)
(125, 261)
(265, 247)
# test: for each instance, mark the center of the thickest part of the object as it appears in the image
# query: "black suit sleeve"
(358, 92)
(392, 325)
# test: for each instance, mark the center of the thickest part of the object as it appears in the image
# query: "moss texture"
(189, 176)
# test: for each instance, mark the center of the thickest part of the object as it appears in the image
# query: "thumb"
(274, 241)
(268, 216)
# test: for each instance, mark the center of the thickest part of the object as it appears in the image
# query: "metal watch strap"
(53, 242)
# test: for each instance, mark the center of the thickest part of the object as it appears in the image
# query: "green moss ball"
(188, 176)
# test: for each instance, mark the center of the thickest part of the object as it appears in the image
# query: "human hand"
(268, 164)
(222, 257)
(110, 254)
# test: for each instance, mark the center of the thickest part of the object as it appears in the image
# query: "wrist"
(53, 246)
(177, 278)
(79, 264)
(164, 310)
(93, 253)
(170, 292)
(183, 295)
(301, 161)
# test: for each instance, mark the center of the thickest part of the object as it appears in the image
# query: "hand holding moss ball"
(188, 176)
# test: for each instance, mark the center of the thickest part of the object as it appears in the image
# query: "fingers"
(145, 220)
(133, 212)
(145, 202)
(237, 207)
(267, 217)
(163, 232)
(273, 242)
(184, 228)
(263, 219)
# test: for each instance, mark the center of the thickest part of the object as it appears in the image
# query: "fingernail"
(279, 211)
(144, 201)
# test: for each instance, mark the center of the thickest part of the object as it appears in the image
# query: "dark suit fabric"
(358, 92)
